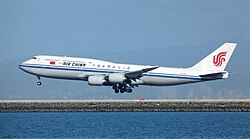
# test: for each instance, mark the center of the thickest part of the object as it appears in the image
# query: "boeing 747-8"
(124, 77)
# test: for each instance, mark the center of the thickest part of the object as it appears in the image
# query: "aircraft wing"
(138, 73)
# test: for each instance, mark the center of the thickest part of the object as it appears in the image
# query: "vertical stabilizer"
(217, 60)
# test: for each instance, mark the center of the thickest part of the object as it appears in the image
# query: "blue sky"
(166, 33)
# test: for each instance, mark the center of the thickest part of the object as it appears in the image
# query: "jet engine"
(116, 78)
(96, 80)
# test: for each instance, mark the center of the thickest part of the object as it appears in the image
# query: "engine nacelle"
(116, 78)
(96, 80)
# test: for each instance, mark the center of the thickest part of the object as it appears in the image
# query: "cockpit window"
(34, 57)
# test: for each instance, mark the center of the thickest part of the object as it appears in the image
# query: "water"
(125, 125)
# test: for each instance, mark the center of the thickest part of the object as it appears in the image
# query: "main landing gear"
(122, 88)
(39, 83)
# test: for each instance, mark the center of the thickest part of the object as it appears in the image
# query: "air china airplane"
(124, 77)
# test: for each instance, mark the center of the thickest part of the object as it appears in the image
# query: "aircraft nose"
(20, 66)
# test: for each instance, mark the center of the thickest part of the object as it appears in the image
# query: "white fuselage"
(123, 77)
(81, 68)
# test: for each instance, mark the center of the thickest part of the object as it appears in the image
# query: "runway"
(140, 105)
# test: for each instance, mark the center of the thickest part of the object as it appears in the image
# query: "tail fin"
(217, 60)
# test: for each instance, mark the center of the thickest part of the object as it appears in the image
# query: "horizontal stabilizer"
(213, 76)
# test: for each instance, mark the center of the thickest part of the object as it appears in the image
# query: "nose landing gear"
(39, 83)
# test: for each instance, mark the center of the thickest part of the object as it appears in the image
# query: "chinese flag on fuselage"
(52, 62)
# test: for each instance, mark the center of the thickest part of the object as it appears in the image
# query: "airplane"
(124, 77)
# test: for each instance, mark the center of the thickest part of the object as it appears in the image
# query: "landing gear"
(116, 91)
(122, 88)
(39, 83)
(115, 87)
(129, 90)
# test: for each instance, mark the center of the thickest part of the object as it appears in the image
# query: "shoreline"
(212, 105)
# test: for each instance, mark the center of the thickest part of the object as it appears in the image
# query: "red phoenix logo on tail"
(219, 59)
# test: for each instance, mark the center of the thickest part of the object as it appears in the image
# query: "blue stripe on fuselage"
(163, 75)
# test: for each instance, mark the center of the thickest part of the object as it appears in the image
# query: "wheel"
(129, 90)
(122, 90)
(116, 91)
(39, 83)
(114, 87)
